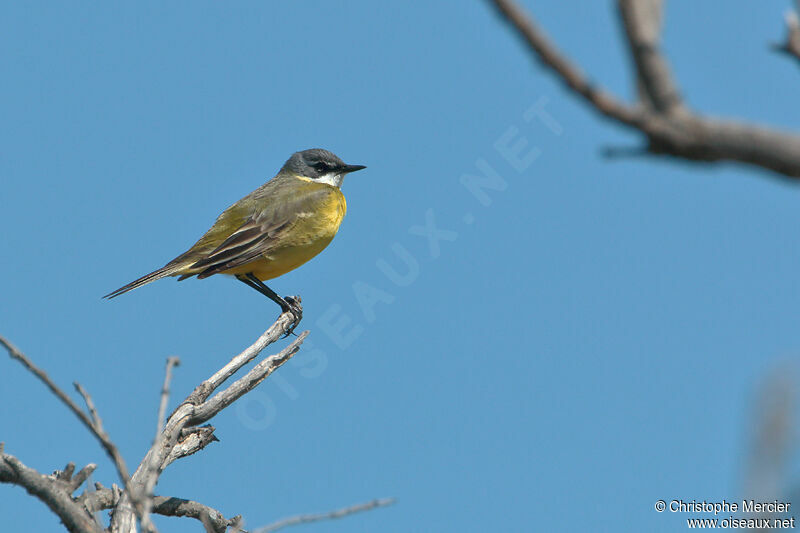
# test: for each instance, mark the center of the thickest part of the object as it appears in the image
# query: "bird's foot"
(294, 307)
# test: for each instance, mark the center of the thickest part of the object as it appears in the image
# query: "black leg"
(287, 304)
(252, 281)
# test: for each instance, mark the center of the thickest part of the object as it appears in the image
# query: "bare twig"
(44, 378)
(180, 435)
(66, 474)
(680, 134)
(191, 441)
(774, 435)
(150, 477)
(172, 362)
(791, 46)
(248, 382)
(137, 500)
(197, 408)
(70, 482)
(275, 332)
(620, 152)
(165, 506)
(53, 492)
(100, 433)
(94, 425)
(642, 23)
(73, 482)
(332, 515)
(236, 526)
(191, 509)
(552, 58)
(82, 475)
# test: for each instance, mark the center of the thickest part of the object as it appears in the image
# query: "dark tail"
(162, 272)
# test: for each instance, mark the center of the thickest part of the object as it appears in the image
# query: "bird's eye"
(321, 167)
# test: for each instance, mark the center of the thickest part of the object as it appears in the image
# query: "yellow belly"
(307, 238)
(282, 261)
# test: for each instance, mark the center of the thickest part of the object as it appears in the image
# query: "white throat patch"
(331, 178)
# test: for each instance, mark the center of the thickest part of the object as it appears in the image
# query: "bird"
(275, 229)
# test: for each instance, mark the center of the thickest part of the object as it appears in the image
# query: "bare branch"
(69, 482)
(679, 134)
(94, 425)
(150, 476)
(100, 433)
(248, 382)
(66, 474)
(642, 23)
(73, 482)
(332, 515)
(162, 408)
(179, 438)
(44, 378)
(179, 507)
(551, 57)
(774, 433)
(191, 441)
(791, 46)
(205, 389)
(52, 491)
(620, 152)
(82, 476)
(92, 421)
(138, 501)
(165, 506)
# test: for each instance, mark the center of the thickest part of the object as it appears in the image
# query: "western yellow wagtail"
(271, 231)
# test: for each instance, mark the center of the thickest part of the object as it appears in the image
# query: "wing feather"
(259, 234)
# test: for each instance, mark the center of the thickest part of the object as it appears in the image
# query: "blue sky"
(574, 347)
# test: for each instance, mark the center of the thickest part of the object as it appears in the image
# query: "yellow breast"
(313, 230)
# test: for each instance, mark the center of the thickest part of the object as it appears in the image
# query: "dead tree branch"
(172, 362)
(331, 515)
(92, 421)
(181, 436)
(55, 491)
(791, 45)
(774, 435)
(94, 424)
(662, 117)
(105, 498)
(105, 439)
(149, 477)
(77, 513)
(641, 20)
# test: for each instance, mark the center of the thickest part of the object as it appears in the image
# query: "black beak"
(347, 169)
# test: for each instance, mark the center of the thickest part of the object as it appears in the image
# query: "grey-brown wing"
(259, 233)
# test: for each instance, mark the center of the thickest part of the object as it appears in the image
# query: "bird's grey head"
(319, 165)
